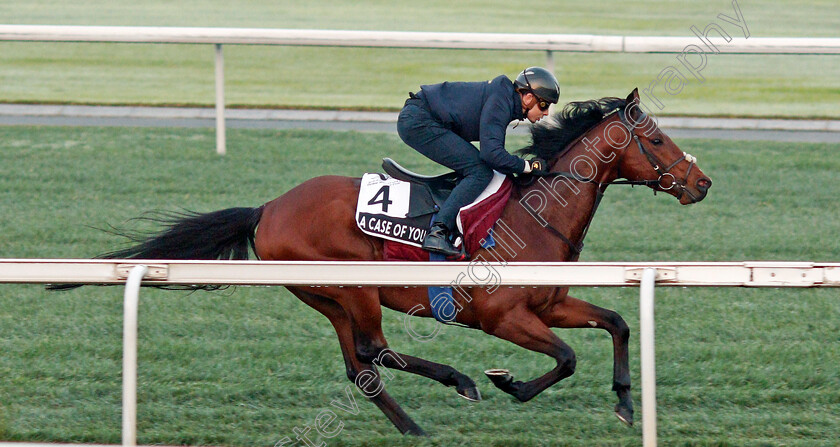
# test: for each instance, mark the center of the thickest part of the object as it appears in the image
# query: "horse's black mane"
(551, 136)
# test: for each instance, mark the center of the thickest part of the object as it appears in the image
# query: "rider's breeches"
(418, 129)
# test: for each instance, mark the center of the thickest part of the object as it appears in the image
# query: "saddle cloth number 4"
(387, 196)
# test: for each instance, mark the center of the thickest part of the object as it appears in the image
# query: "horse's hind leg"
(524, 328)
(363, 374)
(444, 374)
(575, 313)
(363, 307)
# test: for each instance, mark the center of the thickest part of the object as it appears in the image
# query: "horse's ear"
(632, 105)
(633, 96)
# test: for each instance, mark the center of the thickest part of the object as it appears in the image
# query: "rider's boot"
(437, 241)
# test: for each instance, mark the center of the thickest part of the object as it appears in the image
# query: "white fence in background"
(402, 39)
(358, 274)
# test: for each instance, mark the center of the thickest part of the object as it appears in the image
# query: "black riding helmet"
(540, 82)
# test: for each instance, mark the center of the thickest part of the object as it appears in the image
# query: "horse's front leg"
(574, 313)
(524, 328)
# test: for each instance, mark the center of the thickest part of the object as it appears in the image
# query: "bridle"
(655, 163)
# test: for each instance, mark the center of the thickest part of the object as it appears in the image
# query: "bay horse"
(589, 146)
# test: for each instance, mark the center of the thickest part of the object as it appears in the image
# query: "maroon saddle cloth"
(475, 223)
(399, 206)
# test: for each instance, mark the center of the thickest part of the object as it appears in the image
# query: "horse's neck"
(593, 155)
(563, 203)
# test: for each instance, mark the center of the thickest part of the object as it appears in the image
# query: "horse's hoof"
(499, 377)
(624, 414)
(415, 431)
(471, 394)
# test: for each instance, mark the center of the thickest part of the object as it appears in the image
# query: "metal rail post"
(129, 410)
(221, 144)
(648, 362)
(549, 65)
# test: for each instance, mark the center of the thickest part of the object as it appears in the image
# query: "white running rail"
(403, 39)
(357, 274)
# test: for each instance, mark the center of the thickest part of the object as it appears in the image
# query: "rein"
(599, 194)
(577, 248)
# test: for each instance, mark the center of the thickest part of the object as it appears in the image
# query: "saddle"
(398, 206)
(438, 186)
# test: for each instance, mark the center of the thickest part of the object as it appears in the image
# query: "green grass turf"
(743, 85)
(735, 366)
(809, 18)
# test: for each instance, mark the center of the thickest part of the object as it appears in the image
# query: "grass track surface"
(735, 366)
(265, 76)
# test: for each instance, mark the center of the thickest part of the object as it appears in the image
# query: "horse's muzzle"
(703, 184)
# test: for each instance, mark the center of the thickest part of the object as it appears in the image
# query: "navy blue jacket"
(479, 111)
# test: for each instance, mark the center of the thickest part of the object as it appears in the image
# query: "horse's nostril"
(704, 184)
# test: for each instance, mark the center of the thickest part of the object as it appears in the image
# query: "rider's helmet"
(540, 82)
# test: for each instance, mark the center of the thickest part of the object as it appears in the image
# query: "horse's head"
(652, 156)
(610, 138)
(590, 145)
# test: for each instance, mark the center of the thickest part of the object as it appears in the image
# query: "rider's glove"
(536, 166)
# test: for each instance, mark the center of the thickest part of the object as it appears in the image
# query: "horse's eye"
(656, 141)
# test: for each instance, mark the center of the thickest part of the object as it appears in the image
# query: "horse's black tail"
(224, 234)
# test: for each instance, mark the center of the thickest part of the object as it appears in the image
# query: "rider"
(441, 120)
